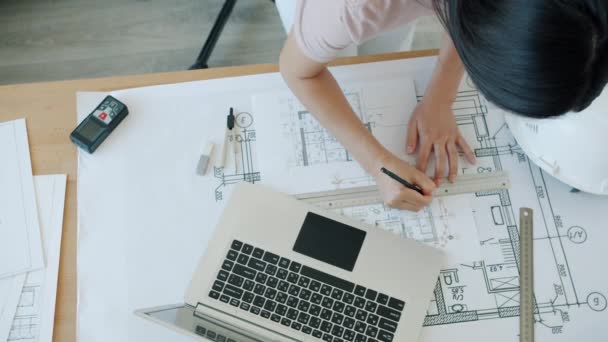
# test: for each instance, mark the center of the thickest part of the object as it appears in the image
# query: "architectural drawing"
(245, 157)
(307, 144)
(447, 224)
(484, 287)
(313, 144)
(489, 288)
(296, 144)
(477, 287)
(27, 321)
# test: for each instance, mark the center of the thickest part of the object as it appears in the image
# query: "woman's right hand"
(394, 193)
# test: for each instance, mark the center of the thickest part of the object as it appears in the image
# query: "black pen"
(402, 181)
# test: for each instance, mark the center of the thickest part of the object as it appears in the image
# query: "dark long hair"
(538, 58)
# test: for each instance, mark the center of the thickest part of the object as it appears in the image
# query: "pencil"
(402, 181)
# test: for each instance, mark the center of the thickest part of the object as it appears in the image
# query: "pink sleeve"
(324, 27)
(319, 30)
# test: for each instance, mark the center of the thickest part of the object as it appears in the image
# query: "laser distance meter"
(96, 127)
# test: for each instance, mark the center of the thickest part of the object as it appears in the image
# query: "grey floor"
(69, 39)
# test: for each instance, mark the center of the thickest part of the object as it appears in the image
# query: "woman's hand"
(394, 193)
(433, 127)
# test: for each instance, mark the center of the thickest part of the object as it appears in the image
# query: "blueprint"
(483, 291)
(245, 156)
(447, 224)
(296, 146)
(483, 295)
(476, 296)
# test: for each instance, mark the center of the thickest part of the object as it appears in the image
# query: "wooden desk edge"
(140, 80)
(50, 111)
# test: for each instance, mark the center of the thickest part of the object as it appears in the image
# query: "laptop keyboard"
(212, 335)
(305, 299)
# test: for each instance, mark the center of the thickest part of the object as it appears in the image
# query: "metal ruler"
(352, 197)
(526, 276)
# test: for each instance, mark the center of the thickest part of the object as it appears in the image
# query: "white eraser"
(203, 162)
(208, 149)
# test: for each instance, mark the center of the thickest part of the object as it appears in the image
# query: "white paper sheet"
(164, 212)
(20, 246)
(144, 254)
(35, 315)
(297, 147)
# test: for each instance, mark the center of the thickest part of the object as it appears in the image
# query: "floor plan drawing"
(312, 143)
(482, 287)
(27, 321)
(297, 144)
(488, 289)
(447, 224)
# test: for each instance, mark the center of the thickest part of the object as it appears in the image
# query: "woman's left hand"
(433, 128)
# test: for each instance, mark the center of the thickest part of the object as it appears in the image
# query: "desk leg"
(214, 35)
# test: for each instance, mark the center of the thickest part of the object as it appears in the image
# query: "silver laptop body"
(278, 269)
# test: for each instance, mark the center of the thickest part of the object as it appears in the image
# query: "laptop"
(277, 269)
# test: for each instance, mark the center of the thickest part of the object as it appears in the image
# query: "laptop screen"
(185, 319)
(329, 241)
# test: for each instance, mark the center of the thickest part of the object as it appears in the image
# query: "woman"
(538, 58)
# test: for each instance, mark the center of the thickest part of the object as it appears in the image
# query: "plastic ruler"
(358, 196)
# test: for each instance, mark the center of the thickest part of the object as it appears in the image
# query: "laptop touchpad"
(329, 241)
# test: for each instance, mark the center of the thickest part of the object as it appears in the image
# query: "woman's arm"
(317, 89)
(433, 126)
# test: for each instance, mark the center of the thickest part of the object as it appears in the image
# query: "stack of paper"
(31, 220)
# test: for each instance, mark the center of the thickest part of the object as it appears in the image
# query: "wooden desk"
(50, 112)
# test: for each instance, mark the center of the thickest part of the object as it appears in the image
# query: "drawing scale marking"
(526, 276)
(359, 196)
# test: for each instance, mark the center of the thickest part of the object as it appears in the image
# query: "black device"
(96, 127)
(330, 241)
